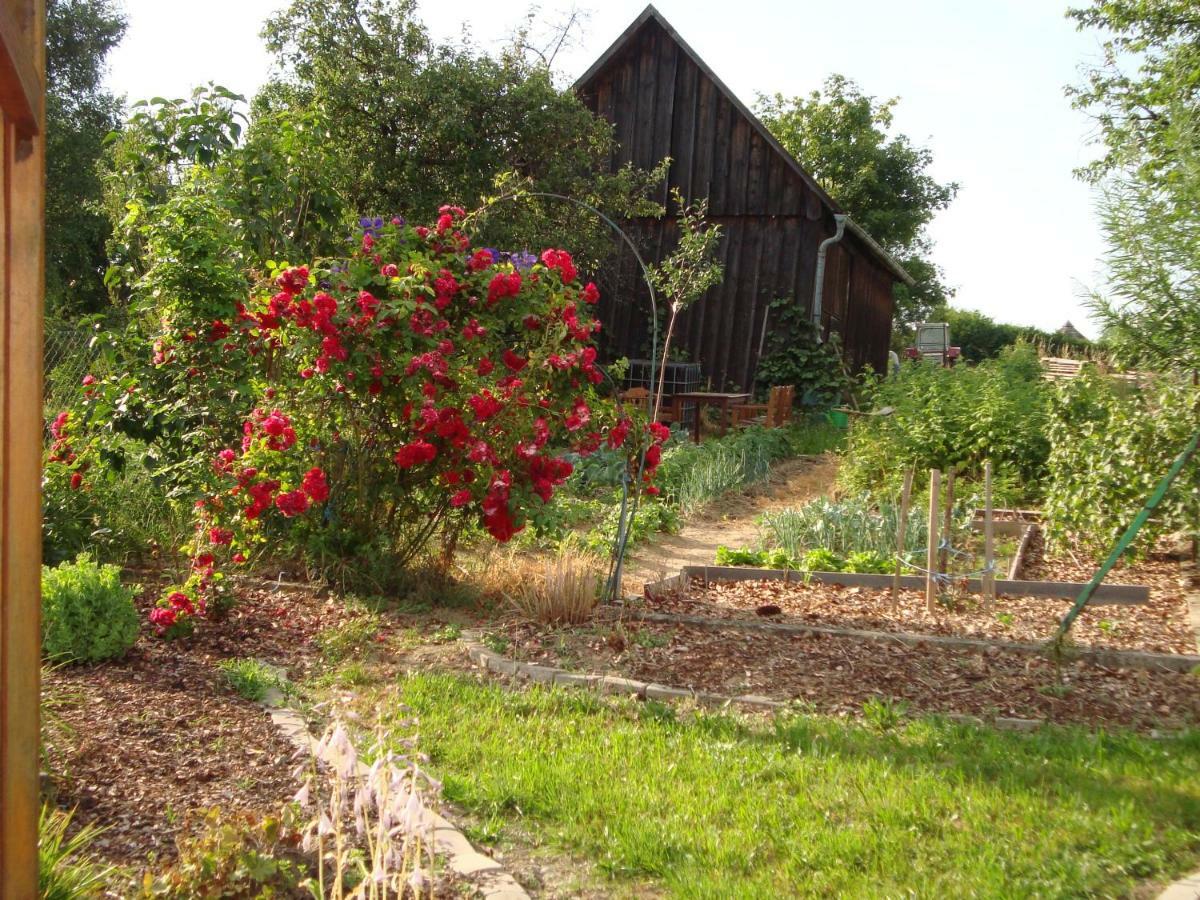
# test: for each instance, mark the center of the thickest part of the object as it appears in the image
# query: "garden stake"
(947, 526)
(931, 552)
(1123, 544)
(989, 562)
(905, 499)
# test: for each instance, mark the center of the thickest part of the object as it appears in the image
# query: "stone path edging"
(1124, 659)
(1184, 889)
(499, 664)
(484, 873)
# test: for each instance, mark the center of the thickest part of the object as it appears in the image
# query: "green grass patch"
(714, 806)
(248, 677)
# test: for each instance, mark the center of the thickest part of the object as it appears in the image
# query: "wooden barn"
(664, 101)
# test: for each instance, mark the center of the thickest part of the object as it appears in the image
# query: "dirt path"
(729, 521)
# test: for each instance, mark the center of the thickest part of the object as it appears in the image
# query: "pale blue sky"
(980, 83)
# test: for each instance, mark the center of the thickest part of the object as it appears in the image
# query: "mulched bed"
(837, 675)
(159, 734)
(1159, 625)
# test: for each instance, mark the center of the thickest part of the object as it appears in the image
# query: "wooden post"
(989, 557)
(948, 525)
(901, 527)
(22, 182)
(931, 555)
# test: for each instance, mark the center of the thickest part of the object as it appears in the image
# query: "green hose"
(1126, 539)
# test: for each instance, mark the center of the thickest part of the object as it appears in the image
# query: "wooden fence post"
(931, 555)
(989, 557)
(22, 295)
(901, 528)
(947, 525)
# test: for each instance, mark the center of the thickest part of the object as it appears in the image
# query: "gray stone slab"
(611, 684)
(540, 674)
(1183, 889)
(571, 679)
(501, 665)
(1011, 724)
(758, 700)
(664, 692)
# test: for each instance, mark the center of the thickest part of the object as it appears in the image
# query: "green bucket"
(838, 418)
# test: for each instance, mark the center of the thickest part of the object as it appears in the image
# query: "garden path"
(729, 520)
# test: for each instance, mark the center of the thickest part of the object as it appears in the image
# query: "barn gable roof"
(651, 14)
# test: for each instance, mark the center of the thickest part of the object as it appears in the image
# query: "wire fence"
(70, 351)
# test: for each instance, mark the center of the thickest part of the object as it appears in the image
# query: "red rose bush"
(418, 388)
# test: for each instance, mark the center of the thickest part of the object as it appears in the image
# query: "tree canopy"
(1149, 71)
(1145, 95)
(414, 124)
(844, 138)
(79, 115)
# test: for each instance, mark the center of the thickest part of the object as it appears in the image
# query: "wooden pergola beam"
(22, 188)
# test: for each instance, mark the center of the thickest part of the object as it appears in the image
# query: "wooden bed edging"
(1106, 594)
(1113, 659)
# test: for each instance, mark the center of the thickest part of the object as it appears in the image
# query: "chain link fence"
(69, 352)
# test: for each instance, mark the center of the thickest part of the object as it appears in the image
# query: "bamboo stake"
(947, 525)
(931, 554)
(989, 559)
(902, 526)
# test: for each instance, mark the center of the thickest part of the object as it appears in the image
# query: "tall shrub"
(419, 387)
(1112, 441)
(953, 417)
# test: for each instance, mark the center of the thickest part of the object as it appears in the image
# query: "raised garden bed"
(836, 646)
(840, 674)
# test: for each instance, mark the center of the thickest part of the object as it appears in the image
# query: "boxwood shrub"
(87, 614)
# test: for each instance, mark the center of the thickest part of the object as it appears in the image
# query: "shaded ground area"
(729, 521)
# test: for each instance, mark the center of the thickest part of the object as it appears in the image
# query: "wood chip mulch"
(1160, 625)
(837, 675)
(135, 745)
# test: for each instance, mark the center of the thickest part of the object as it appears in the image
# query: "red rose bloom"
(292, 503)
(414, 454)
(315, 485)
(513, 362)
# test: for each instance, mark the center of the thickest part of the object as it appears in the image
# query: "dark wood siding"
(663, 104)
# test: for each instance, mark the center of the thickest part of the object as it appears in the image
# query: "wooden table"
(705, 398)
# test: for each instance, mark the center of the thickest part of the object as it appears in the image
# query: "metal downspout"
(819, 279)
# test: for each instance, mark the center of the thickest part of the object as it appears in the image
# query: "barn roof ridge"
(652, 13)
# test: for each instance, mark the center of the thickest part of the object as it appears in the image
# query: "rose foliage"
(421, 387)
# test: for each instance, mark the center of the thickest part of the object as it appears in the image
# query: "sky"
(980, 84)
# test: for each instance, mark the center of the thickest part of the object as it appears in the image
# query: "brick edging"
(499, 664)
(491, 880)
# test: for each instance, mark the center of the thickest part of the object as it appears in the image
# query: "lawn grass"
(709, 805)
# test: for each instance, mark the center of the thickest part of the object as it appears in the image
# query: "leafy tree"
(844, 138)
(981, 337)
(685, 275)
(414, 124)
(1148, 74)
(1150, 176)
(79, 114)
(1150, 310)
